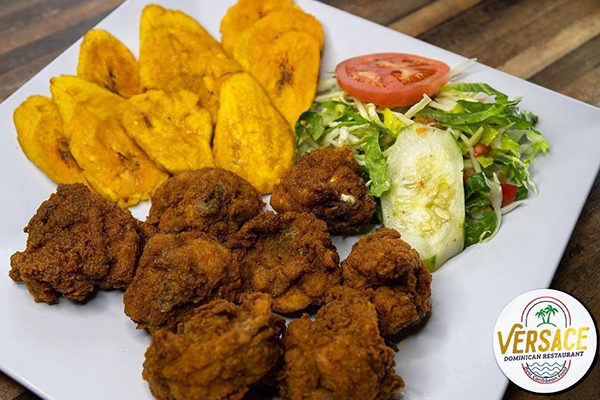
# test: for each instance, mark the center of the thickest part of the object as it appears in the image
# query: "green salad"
(496, 138)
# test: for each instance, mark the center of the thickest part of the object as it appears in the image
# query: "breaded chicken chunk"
(216, 354)
(327, 183)
(289, 256)
(395, 277)
(77, 241)
(176, 273)
(210, 200)
(340, 355)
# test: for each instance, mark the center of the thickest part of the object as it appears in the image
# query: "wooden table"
(554, 43)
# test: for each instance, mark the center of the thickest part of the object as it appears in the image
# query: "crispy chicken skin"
(77, 241)
(328, 184)
(395, 277)
(340, 355)
(176, 273)
(289, 256)
(216, 354)
(210, 200)
(146, 231)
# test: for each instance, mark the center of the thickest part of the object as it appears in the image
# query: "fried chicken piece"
(146, 231)
(289, 256)
(176, 273)
(340, 355)
(327, 183)
(398, 282)
(210, 200)
(218, 353)
(77, 241)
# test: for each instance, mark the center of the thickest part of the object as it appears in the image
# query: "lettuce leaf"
(480, 218)
(333, 123)
(376, 166)
(480, 227)
(469, 90)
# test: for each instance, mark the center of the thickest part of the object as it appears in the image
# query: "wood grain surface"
(553, 43)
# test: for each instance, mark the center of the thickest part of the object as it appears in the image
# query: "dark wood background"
(553, 43)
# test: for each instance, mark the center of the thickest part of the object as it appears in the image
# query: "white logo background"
(553, 370)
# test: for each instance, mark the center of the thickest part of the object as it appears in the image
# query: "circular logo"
(545, 341)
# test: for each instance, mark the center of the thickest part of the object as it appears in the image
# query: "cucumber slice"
(426, 201)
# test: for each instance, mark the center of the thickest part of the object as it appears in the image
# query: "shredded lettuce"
(497, 137)
(355, 124)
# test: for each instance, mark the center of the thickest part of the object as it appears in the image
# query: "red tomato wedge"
(391, 79)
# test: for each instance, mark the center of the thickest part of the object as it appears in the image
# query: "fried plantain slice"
(177, 53)
(171, 128)
(252, 138)
(241, 16)
(111, 161)
(157, 17)
(169, 61)
(42, 138)
(272, 26)
(288, 69)
(282, 51)
(240, 49)
(107, 62)
(278, 22)
(71, 93)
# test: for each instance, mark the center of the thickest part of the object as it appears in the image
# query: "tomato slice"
(391, 79)
(509, 192)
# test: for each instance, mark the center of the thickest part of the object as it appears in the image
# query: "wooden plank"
(431, 15)
(9, 389)
(381, 11)
(586, 87)
(27, 396)
(12, 6)
(16, 77)
(577, 74)
(20, 64)
(60, 20)
(33, 13)
(496, 30)
(540, 55)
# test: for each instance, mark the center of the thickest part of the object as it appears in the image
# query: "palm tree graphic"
(540, 314)
(549, 312)
(545, 314)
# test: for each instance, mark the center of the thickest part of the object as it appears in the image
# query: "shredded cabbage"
(498, 140)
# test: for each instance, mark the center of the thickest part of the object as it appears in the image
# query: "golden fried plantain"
(168, 61)
(285, 20)
(177, 53)
(42, 138)
(104, 60)
(252, 138)
(70, 93)
(111, 161)
(281, 49)
(288, 69)
(240, 18)
(240, 49)
(157, 17)
(171, 128)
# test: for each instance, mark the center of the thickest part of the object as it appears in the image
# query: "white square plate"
(93, 351)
